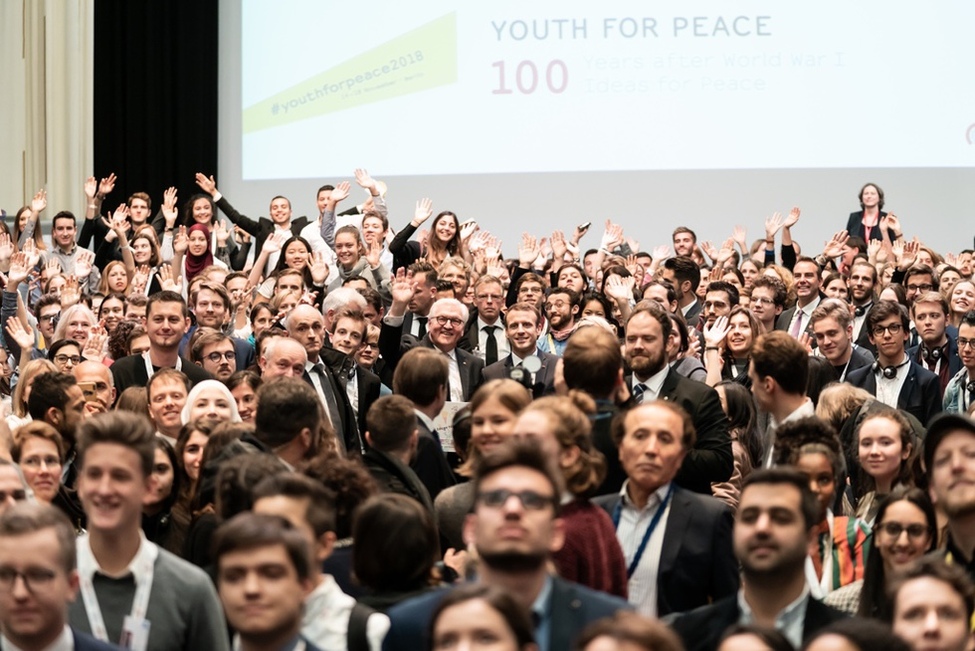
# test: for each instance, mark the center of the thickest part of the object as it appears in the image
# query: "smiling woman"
(39, 450)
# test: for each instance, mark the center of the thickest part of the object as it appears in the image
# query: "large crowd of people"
(361, 431)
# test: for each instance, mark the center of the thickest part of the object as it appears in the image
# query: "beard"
(789, 563)
(645, 366)
(513, 561)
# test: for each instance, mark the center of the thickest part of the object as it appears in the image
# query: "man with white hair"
(340, 298)
(446, 321)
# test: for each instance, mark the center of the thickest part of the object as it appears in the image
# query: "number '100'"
(526, 77)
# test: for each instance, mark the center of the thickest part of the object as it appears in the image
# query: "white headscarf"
(200, 388)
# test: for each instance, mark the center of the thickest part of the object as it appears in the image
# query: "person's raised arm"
(120, 226)
(181, 242)
(272, 244)
(772, 225)
(209, 185)
(714, 343)
(340, 193)
(787, 249)
(422, 212)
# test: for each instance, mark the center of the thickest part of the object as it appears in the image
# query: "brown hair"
(420, 375)
(525, 454)
(396, 543)
(120, 428)
(29, 517)
(320, 512)
(390, 423)
(40, 430)
(592, 361)
(779, 356)
(629, 627)
(246, 531)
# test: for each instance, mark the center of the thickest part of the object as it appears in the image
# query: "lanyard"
(142, 568)
(150, 372)
(646, 534)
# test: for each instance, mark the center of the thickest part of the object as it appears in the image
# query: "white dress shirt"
(632, 527)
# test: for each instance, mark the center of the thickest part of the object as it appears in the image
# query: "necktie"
(422, 331)
(639, 392)
(491, 346)
(797, 326)
(332, 406)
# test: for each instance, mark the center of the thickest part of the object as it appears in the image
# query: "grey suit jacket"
(544, 384)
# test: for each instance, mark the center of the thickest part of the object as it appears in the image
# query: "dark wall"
(155, 85)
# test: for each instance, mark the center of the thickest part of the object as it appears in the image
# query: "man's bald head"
(97, 374)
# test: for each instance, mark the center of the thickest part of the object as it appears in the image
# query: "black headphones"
(970, 386)
(931, 355)
(890, 372)
(859, 310)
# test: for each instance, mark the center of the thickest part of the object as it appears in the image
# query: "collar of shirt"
(656, 498)
(69, 252)
(654, 382)
(809, 309)
(517, 359)
(426, 420)
(143, 555)
(804, 410)
(481, 324)
(790, 619)
(64, 642)
(688, 308)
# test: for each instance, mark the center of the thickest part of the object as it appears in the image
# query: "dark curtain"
(155, 85)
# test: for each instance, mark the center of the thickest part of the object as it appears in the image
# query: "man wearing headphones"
(960, 392)
(894, 378)
(936, 350)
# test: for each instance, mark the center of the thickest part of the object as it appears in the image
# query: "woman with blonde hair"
(18, 404)
(494, 410)
(592, 554)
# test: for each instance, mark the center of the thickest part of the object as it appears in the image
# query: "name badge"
(135, 634)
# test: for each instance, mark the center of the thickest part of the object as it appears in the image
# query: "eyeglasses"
(37, 462)
(444, 320)
(920, 288)
(914, 531)
(217, 356)
(34, 577)
(762, 301)
(893, 328)
(966, 343)
(64, 359)
(530, 500)
(374, 345)
(18, 495)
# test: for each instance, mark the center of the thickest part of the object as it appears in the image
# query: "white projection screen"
(532, 116)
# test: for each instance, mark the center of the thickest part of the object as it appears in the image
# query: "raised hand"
(374, 251)
(139, 280)
(70, 293)
(693, 348)
(578, 234)
(661, 253)
(893, 223)
(106, 185)
(206, 183)
(612, 236)
(365, 181)
(83, 263)
(467, 229)
(39, 202)
(620, 289)
(834, 247)
(274, 242)
(6, 247)
(559, 247)
(318, 268)
(909, 255)
(529, 251)
(91, 187)
(873, 250)
(33, 257)
(478, 241)
(120, 220)
(738, 235)
(167, 281)
(709, 249)
(806, 342)
(16, 331)
(632, 265)
(772, 225)
(222, 232)
(95, 346)
(18, 271)
(793, 217)
(715, 335)
(182, 241)
(950, 258)
(242, 236)
(423, 211)
(401, 287)
(308, 297)
(341, 191)
(726, 251)
(169, 207)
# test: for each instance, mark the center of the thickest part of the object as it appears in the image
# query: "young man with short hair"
(131, 589)
(960, 392)
(932, 605)
(936, 351)
(833, 328)
(779, 371)
(522, 328)
(264, 573)
(166, 392)
(38, 579)
(796, 320)
(328, 613)
(391, 432)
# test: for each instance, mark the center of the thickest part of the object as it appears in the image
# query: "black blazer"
(351, 437)
(858, 359)
(694, 315)
(954, 361)
(544, 379)
(785, 319)
(429, 462)
(395, 477)
(920, 395)
(854, 226)
(260, 228)
(701, 629)
(573, 607)
(697, 561)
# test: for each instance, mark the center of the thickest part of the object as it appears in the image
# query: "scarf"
(196, 263)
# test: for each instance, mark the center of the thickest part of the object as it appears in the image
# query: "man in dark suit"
(709, 459)
(678, 543)
(391, 432)
(515, 527)
(361, 385)
(798, 319)
(307, 326)
(37, 546)
(485, 330)
(862, 284)
(684, 274)
(832, 327)
(772, 532)
(522, 328)
(895, 379)
(446, 326)
(937, 350)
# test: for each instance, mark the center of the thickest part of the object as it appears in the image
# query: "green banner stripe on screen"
(418, 60)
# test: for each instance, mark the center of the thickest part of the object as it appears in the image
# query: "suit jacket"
(395, 477)
(711, 459)
(854, 226)
(85, 642)
(701, 629)
(785, 319)
(694, 314)
(573, 607)
(260, 228)
(858, 359)
(697, 562)
(429, 462)
(351, 438)
(393, 344)
(920, 395)
(544, 384)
